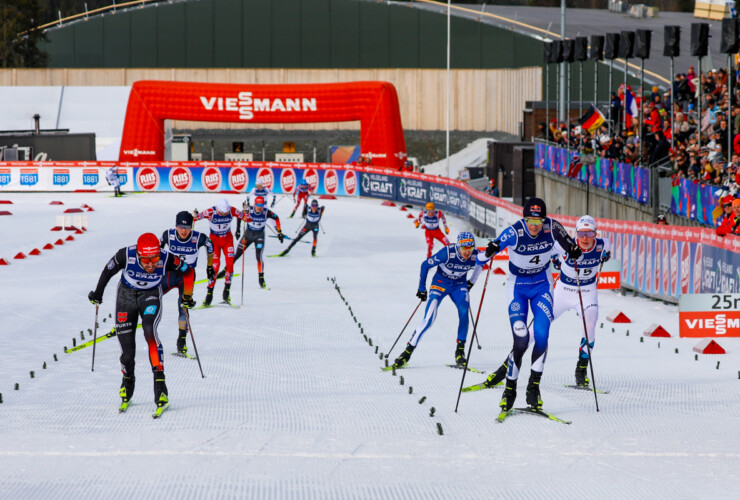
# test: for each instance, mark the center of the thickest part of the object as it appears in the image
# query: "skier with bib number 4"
(254, 232)
(530, 241)
(451, 279)
(313, 219)
(595, 252)
(184, 243)
(219, 218)
(140, 294)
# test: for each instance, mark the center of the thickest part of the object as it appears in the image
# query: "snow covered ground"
(294, 404)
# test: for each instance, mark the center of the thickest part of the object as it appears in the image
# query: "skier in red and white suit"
(431, 219)
(220, 217)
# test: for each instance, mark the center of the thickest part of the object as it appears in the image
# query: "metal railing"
(87, 13)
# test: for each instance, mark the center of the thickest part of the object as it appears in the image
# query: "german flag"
(592, 119)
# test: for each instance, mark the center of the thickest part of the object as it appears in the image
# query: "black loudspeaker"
(597, 48)
(556, 56)
(626, 44)
(581, 48)
(547, 52)
(672, 40)
(612, 46)
(568, 50)
(699, 39)
(642, 43)
(729, 43)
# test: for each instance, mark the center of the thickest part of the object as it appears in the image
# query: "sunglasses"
(727, 205)
(149, 260)
(259, 204)
(534, 221)
(586, 234)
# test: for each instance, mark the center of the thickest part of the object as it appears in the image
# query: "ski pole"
(471, 317)
(243, 259)
(585, 332)
(322, 228)
(404, 327)
(95, 336)
(475, 328)
(197, 356)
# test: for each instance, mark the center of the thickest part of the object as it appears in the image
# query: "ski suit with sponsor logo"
(140, 294)
(312, 225)
(450, 279)
(566, 291)
(529, 286)
(255, 233)
(188, 251)
(223, 240)
(432, 230)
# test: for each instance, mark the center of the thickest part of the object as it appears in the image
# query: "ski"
(220, 276)
(586, 388)
(502, 416)
(217, 304)
(390, 367)
(535, 411)
(183, 355)
(123, 407)
(160, 409)
(480, 387)
(474, 370)
(108, 335)
(278, 255)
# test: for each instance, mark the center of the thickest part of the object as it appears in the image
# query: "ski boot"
(160, 389)
(581, 374)
(262, 280)
(460, 353)
(209, 298)
(403, 359)
(291, 215)
(181, 347)
(496, 377)
(313, 251)
(533, 390)
(227, 287)
(126, 392)
(509, 396)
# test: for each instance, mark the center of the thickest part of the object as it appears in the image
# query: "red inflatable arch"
(374, 104)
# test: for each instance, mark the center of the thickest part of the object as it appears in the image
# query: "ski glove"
(447, 230)
(245, 206)
(470, 285)
(188, 302)
(416, 223)
(95, 298)
(281, 236)
(555, 262)
(195, 212)
(422, 294)
(210, 272)
(605, 256)
(492, 248)
(574, 252)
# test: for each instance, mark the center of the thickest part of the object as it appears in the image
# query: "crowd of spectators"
(704, 149)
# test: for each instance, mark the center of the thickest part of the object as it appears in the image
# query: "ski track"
(294, 404)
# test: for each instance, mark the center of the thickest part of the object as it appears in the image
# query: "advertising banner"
(61, 176)
(709, 315)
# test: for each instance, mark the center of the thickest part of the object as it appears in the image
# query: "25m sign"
(709, 315)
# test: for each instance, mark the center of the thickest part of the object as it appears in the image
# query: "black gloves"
(574, 251)
(605, 256)
(555, 262)
(95, 298)
(281, 236)
(188, 302)
(210, 273)
(422, 294)
(470, 285)
(492, 248)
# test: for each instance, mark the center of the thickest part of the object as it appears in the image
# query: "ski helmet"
(184, 219)
(430, 206)
(465, 239)
(259, 200)
(586, 223)
(314, 203)
(223, 206)
(147, 245)
(535, 207)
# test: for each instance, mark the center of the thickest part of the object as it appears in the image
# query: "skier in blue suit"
(530, 241)
(453, 263)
